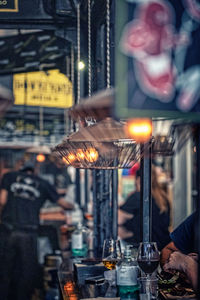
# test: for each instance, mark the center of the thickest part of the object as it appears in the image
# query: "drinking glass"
(111, 253)
(148, 257)
(148, 288)
(110, 257)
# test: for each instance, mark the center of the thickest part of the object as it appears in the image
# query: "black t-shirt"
(160, 221)
(59, 177)
(132, 206)
(26, 195)
(184, 235)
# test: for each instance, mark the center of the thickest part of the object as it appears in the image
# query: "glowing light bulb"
(80, 154)
(81, 65)
(139, 129)
(65, 160)
(71, 157)
(91, 155)
(40, 157)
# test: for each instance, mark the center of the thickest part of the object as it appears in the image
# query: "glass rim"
(112, 241)
(147, 279)
(142, 243)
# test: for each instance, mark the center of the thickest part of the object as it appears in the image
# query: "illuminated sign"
(157, 59)
(52, 89)
(9, 5)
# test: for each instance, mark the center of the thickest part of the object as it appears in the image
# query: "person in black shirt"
(181, 253)
(56, 172)
(21, 197)
(129, 215)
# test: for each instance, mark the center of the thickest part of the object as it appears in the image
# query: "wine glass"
(110, 257)
(111, 253)
(148, 257)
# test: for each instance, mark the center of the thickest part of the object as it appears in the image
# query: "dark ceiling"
(39, 36)
(32, 52)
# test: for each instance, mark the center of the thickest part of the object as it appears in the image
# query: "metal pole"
(146, 192)
(25, 104)
(95, 224)
(197, 223)
(115, 203)
(86, 191)
(107, 222)
(101, 206)
(78, 187)
(96, 213)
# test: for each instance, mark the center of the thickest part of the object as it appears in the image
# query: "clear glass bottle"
(79, 244)
(127, 276)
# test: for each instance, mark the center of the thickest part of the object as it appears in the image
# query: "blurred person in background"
(56, 172)
(21, 196)
(129, 214)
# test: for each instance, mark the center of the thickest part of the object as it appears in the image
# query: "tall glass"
(110, 257)
(148, 257)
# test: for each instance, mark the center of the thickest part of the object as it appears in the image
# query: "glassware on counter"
(148, 288)
(111, 253)
(148, 257)
(79, 243)
(127, 275)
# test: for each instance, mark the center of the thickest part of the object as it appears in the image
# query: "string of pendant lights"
(104, 144)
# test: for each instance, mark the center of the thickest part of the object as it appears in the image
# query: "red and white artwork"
(152, 40)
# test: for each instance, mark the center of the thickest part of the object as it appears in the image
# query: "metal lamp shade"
(99, 155)
(100, 146)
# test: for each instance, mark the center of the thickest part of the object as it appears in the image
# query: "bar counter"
(74, 287)
(72, 275)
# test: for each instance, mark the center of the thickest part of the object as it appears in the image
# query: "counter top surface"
(72, 290)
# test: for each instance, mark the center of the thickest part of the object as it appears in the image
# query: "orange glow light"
(71, 157)
(80, 154)
(91, 155)
(65, 160)
(40, 157)
(139, 129)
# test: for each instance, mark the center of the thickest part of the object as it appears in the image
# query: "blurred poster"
(157, 59)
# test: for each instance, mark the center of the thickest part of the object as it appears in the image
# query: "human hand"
(176, 261)
(186, 264)
(194, 256)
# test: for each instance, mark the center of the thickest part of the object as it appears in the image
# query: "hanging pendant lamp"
(103, 145)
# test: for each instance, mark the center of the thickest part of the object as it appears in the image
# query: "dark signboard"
(32, 52)
(157, 59)
(21, 12)
(23, 9)
(9, 6)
